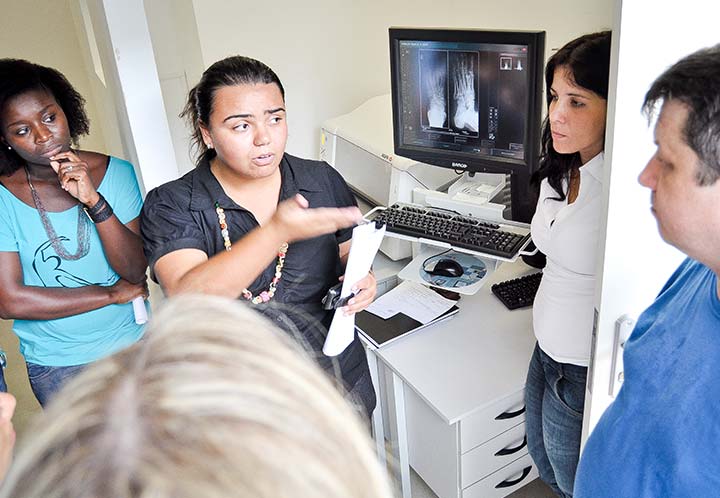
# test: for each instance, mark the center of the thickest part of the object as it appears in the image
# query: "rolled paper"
(140, 310)
(366, 241)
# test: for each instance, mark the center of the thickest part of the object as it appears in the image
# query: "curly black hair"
(18, 76)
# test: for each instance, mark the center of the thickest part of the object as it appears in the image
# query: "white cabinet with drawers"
(458, 403)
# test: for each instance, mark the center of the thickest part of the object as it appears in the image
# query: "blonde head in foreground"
(214, 403)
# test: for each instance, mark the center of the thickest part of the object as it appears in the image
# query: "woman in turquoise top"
(70, 254)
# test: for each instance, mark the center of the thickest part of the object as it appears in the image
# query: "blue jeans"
(46, 381)
(554, 400)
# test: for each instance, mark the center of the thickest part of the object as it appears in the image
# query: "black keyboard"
(451, 228)
(518, 292)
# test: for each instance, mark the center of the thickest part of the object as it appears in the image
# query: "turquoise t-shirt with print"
(85, 337)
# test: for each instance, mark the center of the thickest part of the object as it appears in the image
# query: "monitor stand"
(469, 196)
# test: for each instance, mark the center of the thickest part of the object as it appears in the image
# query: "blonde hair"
(215, 402)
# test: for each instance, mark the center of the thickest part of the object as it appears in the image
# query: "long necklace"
(268, 294)
(83, 228)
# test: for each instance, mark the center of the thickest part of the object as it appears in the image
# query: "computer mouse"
(447, 268)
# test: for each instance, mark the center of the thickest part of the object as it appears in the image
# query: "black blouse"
(181, 214)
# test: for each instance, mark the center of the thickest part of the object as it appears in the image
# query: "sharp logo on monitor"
(459, 165)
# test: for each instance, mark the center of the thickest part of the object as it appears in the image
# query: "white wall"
(44, 32)
(179, 63)
(634, 261)
(332, 55)
(94, 48)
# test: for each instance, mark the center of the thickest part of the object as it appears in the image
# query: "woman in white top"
(565, 228)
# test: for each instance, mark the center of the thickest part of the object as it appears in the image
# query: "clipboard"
(380, 332)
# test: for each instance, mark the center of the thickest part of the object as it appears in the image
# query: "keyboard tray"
(448, 229)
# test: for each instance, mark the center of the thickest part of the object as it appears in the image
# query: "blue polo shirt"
(661, 436)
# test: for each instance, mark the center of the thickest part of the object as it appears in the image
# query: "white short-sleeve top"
(568, 235)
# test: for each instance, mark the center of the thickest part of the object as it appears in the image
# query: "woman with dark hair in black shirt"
(239, 224)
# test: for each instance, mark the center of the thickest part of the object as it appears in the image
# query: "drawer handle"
(509, 484)
(507, 415)
(510, 451)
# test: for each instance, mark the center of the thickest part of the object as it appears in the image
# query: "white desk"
(457, 397)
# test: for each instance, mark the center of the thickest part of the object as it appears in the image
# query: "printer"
(360, 146)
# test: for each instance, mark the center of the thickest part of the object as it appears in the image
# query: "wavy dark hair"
(694, 81)
(231, 71)
(18, 76)
(587, 59)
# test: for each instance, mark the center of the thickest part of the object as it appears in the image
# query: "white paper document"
(412, 299)
(366, 241)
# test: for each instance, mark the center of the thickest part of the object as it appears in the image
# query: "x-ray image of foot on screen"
(460, 98)
(463, 105)
(434, 78)
(449, 91)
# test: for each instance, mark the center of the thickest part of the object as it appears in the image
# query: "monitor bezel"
(467, 162)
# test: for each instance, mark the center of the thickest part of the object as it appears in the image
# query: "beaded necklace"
(264, 296)
(83, 227)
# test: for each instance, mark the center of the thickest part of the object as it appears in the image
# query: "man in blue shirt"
(661, 436)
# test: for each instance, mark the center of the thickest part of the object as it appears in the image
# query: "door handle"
(623, 328)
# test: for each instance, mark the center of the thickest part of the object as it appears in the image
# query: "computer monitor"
(470, 100)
